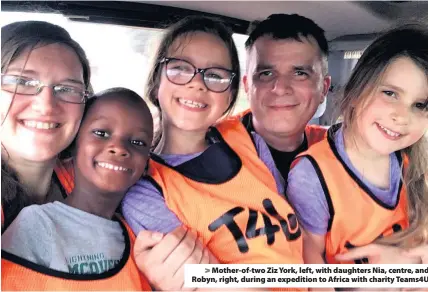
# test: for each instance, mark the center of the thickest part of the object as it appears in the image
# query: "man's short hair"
(287, 26)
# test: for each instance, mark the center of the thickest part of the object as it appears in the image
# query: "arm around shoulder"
(313, 248)
(144, 208)
(306, 196)
(305, 193)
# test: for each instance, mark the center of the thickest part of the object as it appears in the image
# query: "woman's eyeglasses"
(28, 86)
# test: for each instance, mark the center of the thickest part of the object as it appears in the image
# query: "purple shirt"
(144, 207)
(307, 197)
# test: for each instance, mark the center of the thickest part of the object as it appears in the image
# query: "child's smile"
(389, 134)
(394, 117)
(110, 170)
(113, 144)
(113, 167)
(192, 106)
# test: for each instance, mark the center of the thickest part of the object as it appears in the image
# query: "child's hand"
(420, 251)
(379, 254)
(161, 258)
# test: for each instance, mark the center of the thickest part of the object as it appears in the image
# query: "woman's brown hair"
(16, 39)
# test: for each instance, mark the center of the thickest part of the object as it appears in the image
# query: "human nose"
(400, 115)
(282, 86)
(117, 148)
(45, 102)
(197, 81)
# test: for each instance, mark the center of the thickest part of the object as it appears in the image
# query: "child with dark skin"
(110, 161)
(111, 152)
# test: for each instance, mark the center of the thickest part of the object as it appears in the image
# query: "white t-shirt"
(65, 239)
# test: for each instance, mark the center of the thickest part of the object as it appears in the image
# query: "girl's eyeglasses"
(181, 72)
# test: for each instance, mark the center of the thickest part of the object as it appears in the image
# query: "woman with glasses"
(205, 174)
(44, 85)
(45, 80)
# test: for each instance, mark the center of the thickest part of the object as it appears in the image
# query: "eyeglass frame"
(197, 70)
(41, 85)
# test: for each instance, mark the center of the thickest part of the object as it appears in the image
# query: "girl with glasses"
(206, 175)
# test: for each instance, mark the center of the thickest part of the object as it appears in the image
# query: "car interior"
(119, 36)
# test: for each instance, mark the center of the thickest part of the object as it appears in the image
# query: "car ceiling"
(337, 18)
(340, 19)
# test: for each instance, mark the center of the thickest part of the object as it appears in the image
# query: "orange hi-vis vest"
(229, 197)
(18, 274)
(357, 218)
(314, 133)
(64, 170)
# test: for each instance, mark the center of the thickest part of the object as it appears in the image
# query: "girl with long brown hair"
(368, 179)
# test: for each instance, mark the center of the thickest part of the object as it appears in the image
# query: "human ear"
(326, 87)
